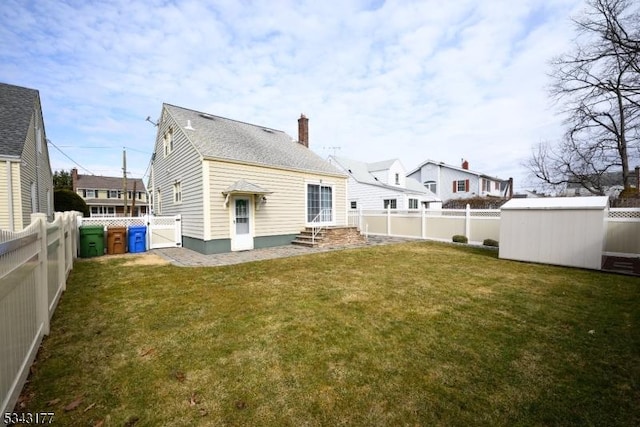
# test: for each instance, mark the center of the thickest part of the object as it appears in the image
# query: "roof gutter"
(262, 165)
(6, 158)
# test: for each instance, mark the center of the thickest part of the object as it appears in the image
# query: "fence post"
(467, 221)
(76, 240)
(179, 230)
(360, 219)
(69, 225)
(42, 294)
(389, 220)
(423, 227)
(61, 251)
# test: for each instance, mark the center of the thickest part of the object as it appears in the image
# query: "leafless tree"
(598, 86)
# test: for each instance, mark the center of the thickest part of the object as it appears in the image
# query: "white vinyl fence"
(622, 226)
(34, 266)
(436, 224)
(162, 231)
(623, 232)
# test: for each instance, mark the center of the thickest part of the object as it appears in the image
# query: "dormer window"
(397, 179)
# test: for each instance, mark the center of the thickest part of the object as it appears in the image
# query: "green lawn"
(410, 334)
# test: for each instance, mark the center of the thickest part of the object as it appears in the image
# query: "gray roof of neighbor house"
(457, 168)
(97, 182)
(221, 138)
(608, 179)
(16, 109)
(361, 172)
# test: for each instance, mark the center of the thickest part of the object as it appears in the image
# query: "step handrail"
(316, 229)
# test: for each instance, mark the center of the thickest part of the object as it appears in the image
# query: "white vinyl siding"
(285, 210)
(444, 176)
(34, 168)
(184, 165)
(370, 197)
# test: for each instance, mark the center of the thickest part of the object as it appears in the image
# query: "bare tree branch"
(598, 86)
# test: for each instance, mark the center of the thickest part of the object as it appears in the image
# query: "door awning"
(243, 187)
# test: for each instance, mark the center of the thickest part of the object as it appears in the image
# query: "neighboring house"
(240, 186)
(610, 182)
(26, 181)
(104, 194)
(452, 182)
(383, 185)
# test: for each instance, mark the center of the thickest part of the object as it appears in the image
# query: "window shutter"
(84, 193)
(466, 185)
(455, 186)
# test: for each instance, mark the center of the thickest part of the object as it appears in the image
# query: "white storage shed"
(567, 231)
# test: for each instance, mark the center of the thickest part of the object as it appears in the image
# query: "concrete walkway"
(188, 258)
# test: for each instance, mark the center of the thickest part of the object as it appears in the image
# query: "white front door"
(241, 236)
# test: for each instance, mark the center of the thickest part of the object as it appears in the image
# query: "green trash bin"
(91, 241)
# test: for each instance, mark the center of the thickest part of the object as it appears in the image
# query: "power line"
(102, 148)
(64, 154)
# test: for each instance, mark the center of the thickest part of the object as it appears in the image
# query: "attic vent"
(207, 116)
(267, 130)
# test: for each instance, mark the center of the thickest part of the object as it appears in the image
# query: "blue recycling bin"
(137, 238)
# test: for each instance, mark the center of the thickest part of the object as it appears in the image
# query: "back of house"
(26, 181)
(240, 186)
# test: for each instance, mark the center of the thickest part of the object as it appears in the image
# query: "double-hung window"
(177, 192)
(390, 204)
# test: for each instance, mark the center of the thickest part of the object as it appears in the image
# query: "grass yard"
(410, 334)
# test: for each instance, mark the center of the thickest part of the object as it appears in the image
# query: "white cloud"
(405, 79)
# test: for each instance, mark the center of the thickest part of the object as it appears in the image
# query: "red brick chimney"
(303, 130)
(465, 164)
(74, 179)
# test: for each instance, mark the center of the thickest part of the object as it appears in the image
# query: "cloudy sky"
(413, 80)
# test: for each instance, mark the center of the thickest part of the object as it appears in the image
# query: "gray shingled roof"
(98, 182)
(16, 108)
(221, 138)
(380, 166)
(457, 168)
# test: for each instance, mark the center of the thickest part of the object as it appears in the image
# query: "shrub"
(67, 200)
(458, 238)
(490, 242)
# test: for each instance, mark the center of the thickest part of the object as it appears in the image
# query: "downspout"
(153, 187)
(10, 196)
(38, 148)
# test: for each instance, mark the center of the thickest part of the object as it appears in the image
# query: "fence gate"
(164, 231)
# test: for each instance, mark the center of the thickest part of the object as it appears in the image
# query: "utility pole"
(133, 199)
(124, 179)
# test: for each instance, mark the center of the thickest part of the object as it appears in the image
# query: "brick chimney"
(303, 130)
(465, 164)
(74, 179)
